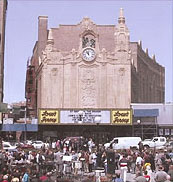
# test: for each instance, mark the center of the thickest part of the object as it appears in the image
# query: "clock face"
(89, 54)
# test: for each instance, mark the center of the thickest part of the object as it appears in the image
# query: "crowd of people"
(75, 158)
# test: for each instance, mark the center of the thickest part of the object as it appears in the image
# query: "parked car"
(124, 143)
(8, 147)
(169, 145)
(156, 142)
(24, 146)
(146, 140)
(76, 139)
(73, 139)
(38, 144)
(29, 142)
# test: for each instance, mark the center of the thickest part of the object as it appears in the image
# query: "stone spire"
(121, 18)
(50, 37)
(121, 35)
(50, 42)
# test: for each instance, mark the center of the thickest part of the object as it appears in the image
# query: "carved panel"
(121, 71)
(88, 87)
(54, 71)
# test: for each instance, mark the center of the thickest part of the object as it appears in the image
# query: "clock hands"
(88, 53)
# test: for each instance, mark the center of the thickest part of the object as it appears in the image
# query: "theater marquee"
(121, 117)
(88, 116)
(48, 116)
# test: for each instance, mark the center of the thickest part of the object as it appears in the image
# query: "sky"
(149, 21)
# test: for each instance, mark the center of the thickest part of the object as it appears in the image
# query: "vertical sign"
(121, 117)
(48, 116)
(0, 117)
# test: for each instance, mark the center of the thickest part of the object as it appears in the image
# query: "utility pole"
(25, 127)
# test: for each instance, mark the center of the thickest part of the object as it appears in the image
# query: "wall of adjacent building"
(3, 8)
(148, 77)
(165, 117)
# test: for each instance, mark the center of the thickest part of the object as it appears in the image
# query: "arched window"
(88, 40)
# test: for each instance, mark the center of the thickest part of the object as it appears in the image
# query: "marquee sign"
(121, 117)
(48, 116)
(84, 116)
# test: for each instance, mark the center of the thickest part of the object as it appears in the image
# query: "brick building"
(90, 66)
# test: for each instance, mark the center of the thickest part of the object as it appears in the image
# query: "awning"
(146, 112)
(19, 127)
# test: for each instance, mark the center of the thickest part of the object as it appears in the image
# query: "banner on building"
(85, 116)
(8, 120)
(0, 117)
(160, 132)
(167, 131)
(48, 116)
(121, 117)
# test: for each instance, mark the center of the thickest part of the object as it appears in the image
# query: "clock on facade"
(88, 54)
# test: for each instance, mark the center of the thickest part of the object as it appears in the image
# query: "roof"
(19, 127)
(146, 112)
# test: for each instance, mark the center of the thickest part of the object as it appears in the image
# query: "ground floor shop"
(142, 120)
(100, 133)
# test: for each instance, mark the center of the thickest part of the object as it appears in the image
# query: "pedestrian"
(141, 147)
(118, 178)
(99, 158)
(117, 157)
(123, 166)
(147, 176)
(15, 179)
(25, 177)
(5, 178)
(170, 172)
(161, 176)
(133, 162)
(90, 162)
(44, 177)
(58, 161)
(140, 178)
(110, 155)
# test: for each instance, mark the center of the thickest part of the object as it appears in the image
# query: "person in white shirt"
(139, 160)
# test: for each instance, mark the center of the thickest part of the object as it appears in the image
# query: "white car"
(38, 144)
(156, 142)
(124, 143)
(8, 147)
(29, 142)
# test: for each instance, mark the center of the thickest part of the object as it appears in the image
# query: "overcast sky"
(149, 21)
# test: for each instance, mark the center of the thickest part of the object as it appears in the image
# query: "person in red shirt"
(147, 176)
(5, 178)
(44, 177)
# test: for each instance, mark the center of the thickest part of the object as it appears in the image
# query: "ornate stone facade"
(111, 74)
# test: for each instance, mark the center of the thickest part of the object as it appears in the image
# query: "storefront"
(101, 125)
(156, 117)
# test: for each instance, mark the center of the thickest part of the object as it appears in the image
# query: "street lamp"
(97, 120)
(139, 123)
(25, 126)
(80, 113)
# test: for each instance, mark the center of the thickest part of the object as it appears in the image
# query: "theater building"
(82, 79)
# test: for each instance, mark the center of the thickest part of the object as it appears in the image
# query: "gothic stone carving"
(88, 88)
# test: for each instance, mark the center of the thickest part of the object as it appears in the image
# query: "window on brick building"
(30, 81)
(29, 90)
(30, 72)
